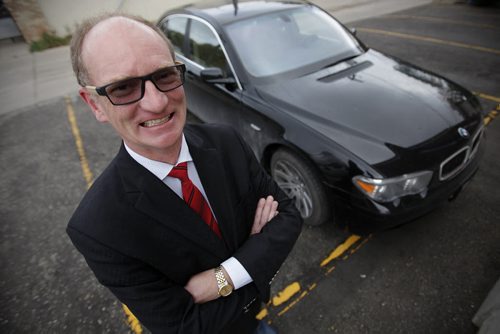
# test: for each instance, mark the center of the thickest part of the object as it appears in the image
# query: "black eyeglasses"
(132, 89)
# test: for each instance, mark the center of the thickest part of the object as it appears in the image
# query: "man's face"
(120, 48)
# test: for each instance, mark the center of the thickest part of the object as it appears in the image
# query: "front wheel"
(300, 181)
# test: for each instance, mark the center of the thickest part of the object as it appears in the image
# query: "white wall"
(64, 15)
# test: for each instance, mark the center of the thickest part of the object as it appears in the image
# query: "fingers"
(267, 209)
(274, 210)
(258, 216)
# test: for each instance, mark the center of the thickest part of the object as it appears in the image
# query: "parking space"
(428, 276)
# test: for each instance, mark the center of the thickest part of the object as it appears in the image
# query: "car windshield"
(282, 41)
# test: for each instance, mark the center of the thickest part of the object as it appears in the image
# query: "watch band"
(225, 288)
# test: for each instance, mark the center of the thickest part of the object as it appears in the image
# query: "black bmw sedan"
(339, 126)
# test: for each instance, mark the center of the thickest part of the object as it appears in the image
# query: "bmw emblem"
(463, 133)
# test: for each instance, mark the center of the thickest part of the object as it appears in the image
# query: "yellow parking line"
(340, 249)
(493, 113)
(441, 20)
(285, 294)
(430, 39)
(132, 321)
(298, 299)
(87, 173)
(350, 246)
(491, 116)
(488, 97)
(262, 314)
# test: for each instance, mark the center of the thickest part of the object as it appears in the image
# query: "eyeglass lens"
(131, 90)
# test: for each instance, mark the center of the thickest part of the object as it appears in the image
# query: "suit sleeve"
(263, 254)
(161, 305)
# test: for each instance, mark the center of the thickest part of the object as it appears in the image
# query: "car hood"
(373, 105)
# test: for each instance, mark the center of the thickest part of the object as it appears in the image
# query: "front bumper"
(367, 215)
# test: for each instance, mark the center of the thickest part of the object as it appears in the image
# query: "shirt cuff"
(236, 272)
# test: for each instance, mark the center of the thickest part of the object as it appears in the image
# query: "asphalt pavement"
(427, 277)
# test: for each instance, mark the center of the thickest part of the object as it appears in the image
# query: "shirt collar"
(158, 168)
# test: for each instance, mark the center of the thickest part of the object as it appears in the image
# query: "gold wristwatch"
(225, 288)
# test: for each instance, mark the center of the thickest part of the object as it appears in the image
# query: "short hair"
(79, 68)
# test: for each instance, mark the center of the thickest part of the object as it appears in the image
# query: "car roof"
(227, 11)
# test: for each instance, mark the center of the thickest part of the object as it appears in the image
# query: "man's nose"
(153, 100)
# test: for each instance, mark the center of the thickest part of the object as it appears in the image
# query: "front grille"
(475, 141)
(452, 165)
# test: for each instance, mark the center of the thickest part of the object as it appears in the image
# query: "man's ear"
(89, 99)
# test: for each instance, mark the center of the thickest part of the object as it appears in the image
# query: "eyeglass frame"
(101, 90)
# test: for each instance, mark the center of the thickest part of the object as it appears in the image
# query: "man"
(174, 261)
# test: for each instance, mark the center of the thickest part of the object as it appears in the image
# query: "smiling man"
(183, 225)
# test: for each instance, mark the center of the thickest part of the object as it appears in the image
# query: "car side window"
(175, 29)
(205, 48)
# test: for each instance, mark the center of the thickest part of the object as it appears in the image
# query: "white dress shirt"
(233, 267)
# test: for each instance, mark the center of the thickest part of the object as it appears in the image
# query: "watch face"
(226, 290)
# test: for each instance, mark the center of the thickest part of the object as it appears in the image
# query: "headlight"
(387, 190)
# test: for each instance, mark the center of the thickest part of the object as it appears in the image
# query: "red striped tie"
(194, 198)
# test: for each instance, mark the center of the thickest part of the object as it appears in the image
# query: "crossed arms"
(203, 286)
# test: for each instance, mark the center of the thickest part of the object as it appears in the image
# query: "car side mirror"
(215, 75)
(353, 31)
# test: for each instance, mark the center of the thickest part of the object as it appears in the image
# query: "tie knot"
(180, 172)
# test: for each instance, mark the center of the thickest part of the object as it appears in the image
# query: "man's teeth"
(155, 122)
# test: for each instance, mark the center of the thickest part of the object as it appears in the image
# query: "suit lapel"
(155, 199)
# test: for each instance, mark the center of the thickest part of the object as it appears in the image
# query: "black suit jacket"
(144, 243)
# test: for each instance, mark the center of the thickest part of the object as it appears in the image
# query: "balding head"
(101, 25)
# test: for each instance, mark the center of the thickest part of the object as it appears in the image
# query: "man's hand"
(267, 209)
(203, 286)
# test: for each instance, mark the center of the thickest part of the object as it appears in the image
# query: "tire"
(300, 181)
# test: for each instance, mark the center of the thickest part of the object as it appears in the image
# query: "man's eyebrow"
(123, 78)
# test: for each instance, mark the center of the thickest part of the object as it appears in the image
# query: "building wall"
(29, 18)
(64, 15)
